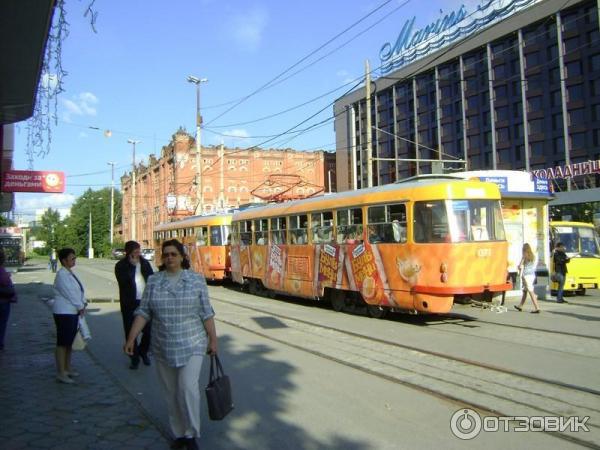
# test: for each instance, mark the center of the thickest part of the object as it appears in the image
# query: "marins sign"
(410, 44)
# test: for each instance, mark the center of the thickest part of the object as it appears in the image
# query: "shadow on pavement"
(262, 418)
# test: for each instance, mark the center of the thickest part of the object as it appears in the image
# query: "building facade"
(166, 189)
(522, 93)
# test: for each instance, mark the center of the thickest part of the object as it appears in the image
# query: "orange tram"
(205, 239)
(411, 246)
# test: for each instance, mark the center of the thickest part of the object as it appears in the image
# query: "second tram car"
(205, 239)
(410, 246)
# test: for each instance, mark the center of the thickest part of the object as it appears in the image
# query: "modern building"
(167, 188)
(509, 85)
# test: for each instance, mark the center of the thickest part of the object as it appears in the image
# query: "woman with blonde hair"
(527, 269)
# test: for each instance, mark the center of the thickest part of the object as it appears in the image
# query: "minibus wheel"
(581, 291)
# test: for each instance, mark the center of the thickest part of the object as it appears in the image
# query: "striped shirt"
(177, 312)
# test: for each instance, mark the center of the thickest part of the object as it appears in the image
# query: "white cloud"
(344, 75)
(237, 137)
(83, 104)
(29, 204)
(247, 28)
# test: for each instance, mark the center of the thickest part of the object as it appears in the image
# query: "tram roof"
(204, 219)
(366, 196)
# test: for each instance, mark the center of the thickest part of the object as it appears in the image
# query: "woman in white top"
(527, 268)
(69, 305)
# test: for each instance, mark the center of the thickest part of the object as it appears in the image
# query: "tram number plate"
(484, 252)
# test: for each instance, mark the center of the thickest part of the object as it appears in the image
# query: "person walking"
(132, 273)
(560, 270)
(176, 302)
(69, 304)
(527, 268)
(8, 295)
(53, 261)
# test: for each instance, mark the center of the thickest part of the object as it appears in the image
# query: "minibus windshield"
(578, 240)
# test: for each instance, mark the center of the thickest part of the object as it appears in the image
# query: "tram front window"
(458, 221)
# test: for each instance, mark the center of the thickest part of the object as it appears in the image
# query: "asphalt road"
(305, 377)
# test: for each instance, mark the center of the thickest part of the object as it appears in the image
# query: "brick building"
(166, 188)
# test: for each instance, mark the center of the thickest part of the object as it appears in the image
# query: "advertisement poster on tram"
(329, 267)
(366, 273)
(275, 267)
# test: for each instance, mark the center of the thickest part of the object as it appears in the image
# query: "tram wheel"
(253, 287)
(338, 302)
(376, 311)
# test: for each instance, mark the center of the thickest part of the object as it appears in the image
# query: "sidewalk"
(38, 412)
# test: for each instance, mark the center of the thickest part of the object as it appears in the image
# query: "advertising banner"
(33, 181)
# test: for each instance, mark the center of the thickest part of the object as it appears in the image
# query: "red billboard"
(33, 181)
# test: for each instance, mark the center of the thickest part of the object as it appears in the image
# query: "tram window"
(216, 237)
(349, 225)
(475, 220)
(322, 227)
(431, 222)
(261, 231)
(201, 235)
(299, 229)
(246, 232)
(387, 223)
(278, 231)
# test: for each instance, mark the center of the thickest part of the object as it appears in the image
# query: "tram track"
(487, 388)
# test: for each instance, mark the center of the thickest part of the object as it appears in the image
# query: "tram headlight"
(444, 272)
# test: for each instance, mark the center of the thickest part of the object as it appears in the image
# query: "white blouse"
(69, 296)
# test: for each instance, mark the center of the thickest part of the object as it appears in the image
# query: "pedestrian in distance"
(53, 261)
(560, 270)
(527, 268)
(8, 295)
(69, 304)
(132, 273)
(176, 302)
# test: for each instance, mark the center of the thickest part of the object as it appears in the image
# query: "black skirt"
(66, 329)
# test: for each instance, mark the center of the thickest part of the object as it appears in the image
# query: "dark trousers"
(561, 286)
(143, 346)
(4, 313)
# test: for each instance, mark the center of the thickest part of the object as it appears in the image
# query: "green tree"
(94, 205)
(6, 222)
(47, 230)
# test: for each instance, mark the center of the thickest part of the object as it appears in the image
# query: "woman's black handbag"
(218, 391)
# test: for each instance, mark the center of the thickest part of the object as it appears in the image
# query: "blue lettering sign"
(541, 185)
(502, 182)
(411, 45)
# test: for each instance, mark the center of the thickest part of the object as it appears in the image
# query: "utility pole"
(199, 189)
(222, 184)
(133, 193)
(112, 201)
(368, 130)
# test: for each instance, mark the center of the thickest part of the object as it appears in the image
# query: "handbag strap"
(216, 369)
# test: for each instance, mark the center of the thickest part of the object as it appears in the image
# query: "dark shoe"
(135, 362)
(179, 442)
(146, 360)
(537, 311)
(190, 444)
(518, 308)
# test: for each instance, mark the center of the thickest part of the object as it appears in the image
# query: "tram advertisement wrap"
(365, 274)
(275, 266)
(329, 268)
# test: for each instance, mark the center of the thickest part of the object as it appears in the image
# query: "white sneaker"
(64, 379)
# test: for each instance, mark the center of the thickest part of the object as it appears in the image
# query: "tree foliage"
(93, 207)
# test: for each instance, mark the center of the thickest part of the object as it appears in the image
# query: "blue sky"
(130, 76)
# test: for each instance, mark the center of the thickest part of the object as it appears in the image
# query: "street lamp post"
(112, 200)
(199, 193)
(133, 218)
(90, 247)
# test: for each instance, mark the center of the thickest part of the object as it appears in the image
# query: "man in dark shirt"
(132, 272)
(560, 269)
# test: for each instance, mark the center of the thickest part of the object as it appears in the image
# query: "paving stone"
(37, 412)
